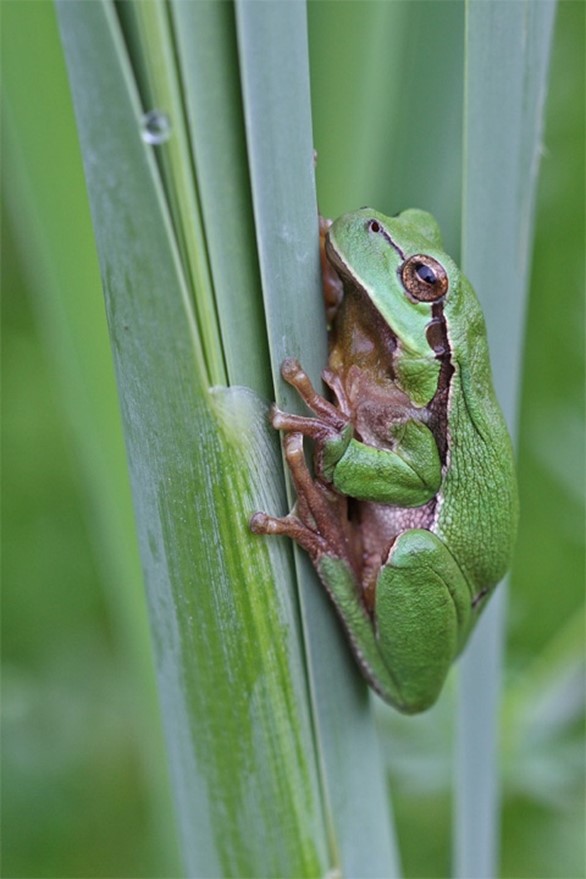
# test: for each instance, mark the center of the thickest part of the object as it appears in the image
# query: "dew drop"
(155, 127)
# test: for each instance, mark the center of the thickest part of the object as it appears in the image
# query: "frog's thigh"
(423, 608)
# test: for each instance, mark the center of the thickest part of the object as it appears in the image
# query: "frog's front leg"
(423, 613)
(407, 475)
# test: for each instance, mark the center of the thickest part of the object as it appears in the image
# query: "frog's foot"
(328, 414)
(330, 429)
(334, 383)
(315, 522)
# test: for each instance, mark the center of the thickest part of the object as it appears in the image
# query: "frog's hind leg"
(424, 613)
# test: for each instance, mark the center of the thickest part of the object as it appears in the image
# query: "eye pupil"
(425, 273)
(374, 226)
(424, 278)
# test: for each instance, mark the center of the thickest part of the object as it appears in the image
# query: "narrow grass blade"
(205, 34)
(273, 49)
(152, 54)
(224, 621)
(507, 54)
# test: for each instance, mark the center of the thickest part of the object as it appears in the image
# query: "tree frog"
(410, 515)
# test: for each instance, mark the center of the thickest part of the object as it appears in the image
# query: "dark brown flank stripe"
(438, 406)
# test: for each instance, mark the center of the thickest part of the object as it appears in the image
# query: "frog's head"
(399, 263)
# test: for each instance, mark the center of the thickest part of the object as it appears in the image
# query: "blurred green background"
(84, 770)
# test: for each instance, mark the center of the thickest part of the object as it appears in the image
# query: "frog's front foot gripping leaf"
(317, 520)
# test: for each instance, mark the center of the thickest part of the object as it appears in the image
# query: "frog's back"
(478, 506)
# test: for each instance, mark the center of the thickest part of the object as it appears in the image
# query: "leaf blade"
(234, 697)
(507, 55)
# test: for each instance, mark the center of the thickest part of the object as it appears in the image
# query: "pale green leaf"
(228, 648)
(507, 55)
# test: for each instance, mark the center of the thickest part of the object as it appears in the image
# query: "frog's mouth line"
(346, 277)
(336, 260)
(342, 268)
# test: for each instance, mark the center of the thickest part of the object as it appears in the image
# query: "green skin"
(418, 442)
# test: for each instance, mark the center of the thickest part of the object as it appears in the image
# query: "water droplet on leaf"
(155, 127)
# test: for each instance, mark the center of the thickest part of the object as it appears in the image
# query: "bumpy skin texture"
(410, 519)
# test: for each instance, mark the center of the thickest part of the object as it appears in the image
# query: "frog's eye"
(424, 278)
(374, 226)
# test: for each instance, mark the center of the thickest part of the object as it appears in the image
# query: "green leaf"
(507, 55)
(228, 647)
(208, 56)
